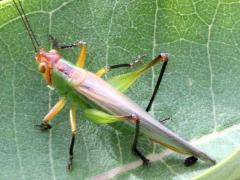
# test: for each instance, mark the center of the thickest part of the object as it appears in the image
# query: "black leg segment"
(157, 86)
(53, 41)
(106, 69)
(119, 65)
(43, 126)
(57, 45)
(70, 162)
(135, 142)
(137, 60)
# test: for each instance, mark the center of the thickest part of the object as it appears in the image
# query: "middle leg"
(106, 69)
(73, 124)
(81, 60)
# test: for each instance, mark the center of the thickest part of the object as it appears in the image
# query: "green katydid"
(103, 101)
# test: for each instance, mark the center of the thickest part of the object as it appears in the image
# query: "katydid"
(103, 101)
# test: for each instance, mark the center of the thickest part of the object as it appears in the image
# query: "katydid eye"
(42, 67)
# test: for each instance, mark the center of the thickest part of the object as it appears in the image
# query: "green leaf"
(227, 169)
(199, 92)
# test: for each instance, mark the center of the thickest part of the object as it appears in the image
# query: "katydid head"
(46, 61)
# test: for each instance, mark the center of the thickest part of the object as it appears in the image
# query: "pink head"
(46, 62)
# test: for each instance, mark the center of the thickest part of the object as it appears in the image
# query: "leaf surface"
(226, 169)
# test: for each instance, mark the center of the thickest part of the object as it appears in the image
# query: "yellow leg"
(72, 117)
(102, 71)
(72, 114)
(82, 54)
(52, 113)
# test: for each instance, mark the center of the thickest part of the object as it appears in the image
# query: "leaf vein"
(14, 118)
(210, 67)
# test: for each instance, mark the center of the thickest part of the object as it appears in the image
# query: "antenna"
(27, 24)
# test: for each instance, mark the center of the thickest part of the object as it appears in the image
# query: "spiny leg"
(72, 118)
(134, 146)
(52, 113)
(192, 159)
(106, 69)
(83, 49)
